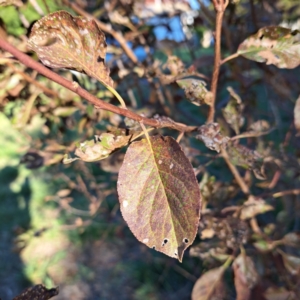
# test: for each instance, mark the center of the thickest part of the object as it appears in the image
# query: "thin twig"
(230, 57)
(244, 187)
(31, 63)
(220, 7)
(251, 134)
(288, 192)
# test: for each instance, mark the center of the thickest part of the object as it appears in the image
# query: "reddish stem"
(31, 63)
(220, 6)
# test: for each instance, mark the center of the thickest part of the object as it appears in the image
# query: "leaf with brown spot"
(273, 45)
(245, 276)
(297, 116)
(38, 292)
(159, 195)
(210, 286)
(63, 41)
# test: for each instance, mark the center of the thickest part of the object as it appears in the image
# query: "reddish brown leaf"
(159, 195)
(245, 276)
(210, 286)
(63, 41)
(38, 292)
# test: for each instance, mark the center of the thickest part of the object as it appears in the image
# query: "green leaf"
(195, 90)
(273, 45)
(159, 195)
(233, 111)
(63, 41)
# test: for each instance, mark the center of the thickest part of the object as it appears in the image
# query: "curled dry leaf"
(242, 156)
(195, 90)
(210, 285)
(63, 41)
(211, 136)
(233, 111)
(38, 292)
(273, 45)
(99, 148)
(159, 195)
(297, 116)
(253, 207)
(245, 276)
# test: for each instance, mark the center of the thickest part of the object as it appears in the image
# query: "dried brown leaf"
(253, 207)
(245, 276)
(211, 136)
(100, 147)
(210, 286)
(63, 41)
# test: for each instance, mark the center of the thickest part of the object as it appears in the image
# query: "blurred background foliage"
(61, 224)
